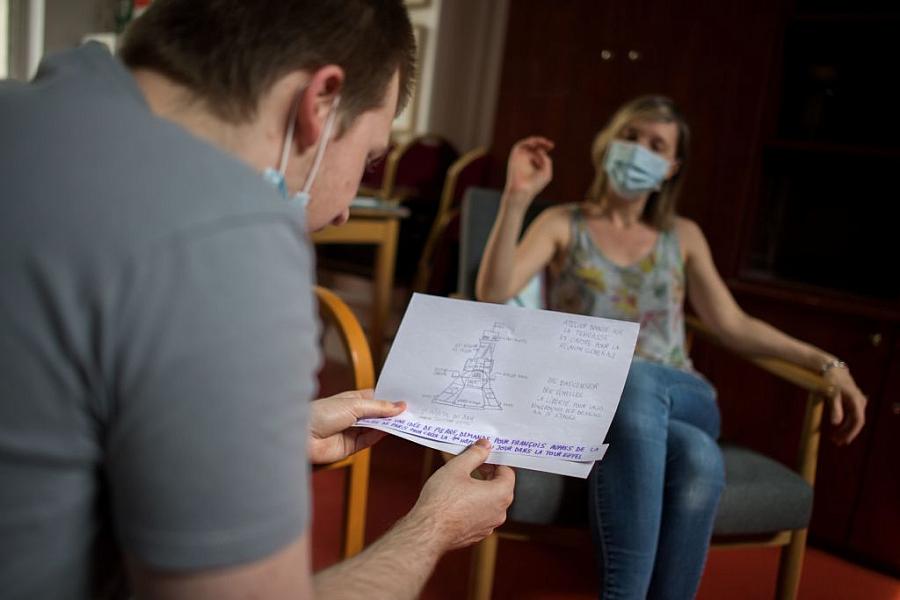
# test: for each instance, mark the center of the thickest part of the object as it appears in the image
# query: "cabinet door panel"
(556, 82)
(876, 524)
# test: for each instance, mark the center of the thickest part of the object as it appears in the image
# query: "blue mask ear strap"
(288, 136)
(276, 180)
(323, 142)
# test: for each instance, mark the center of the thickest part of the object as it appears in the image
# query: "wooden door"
(555, 82)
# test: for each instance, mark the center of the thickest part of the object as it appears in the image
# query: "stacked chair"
(412, 175)
(436, 272)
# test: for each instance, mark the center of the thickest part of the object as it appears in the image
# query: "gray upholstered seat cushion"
(761, 496)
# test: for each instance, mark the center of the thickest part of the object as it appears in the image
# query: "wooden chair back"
(416, 168)
(438, 258)
(335, 311)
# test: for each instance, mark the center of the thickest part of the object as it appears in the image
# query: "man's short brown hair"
(230, 52)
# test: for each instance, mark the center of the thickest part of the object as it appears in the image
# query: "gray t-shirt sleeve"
(215, 356)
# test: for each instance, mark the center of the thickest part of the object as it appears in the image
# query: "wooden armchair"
(749, 478)
(764, 502)
(373, 177)
(441, 246)
(353, 340)
(416, 168)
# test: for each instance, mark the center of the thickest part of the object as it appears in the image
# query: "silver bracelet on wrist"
(834, 363)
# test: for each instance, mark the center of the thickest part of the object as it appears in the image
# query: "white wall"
(4, 38)
(67, 21)
(460, 69)
(467, 71)
(36, 27)
(416, 118)
(25, 43)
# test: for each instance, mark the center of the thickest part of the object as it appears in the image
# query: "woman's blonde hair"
(659, 211)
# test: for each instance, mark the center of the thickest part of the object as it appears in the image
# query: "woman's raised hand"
(529, 169)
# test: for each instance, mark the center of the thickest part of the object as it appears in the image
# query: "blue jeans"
(653, 497)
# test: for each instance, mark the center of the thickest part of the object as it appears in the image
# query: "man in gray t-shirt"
(157, 325)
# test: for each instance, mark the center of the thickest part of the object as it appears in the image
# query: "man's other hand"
(332, 436)
(464, 509)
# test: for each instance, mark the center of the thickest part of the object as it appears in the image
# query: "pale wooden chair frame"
(444, 215)
(356, 490)
(792, 542)
(388, 190)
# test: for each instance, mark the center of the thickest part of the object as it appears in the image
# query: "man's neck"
(256, 142)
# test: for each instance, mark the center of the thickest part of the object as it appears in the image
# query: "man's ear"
(315, 102)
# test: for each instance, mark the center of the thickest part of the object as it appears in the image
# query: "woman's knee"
(695, 469)
(705, 458)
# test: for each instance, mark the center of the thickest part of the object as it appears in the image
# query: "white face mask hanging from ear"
(277, 179)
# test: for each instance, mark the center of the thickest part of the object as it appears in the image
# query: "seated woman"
(624, 253)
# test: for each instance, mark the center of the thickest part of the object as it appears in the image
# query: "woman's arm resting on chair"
(742, 333)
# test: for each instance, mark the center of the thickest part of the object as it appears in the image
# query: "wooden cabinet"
(765, 414)
(819, 265)
(876, 520)
(796, 198)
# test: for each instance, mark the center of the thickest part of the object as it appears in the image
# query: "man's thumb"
(365, 408)
(472, 457)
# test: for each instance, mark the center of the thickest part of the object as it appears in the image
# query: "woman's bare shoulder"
(557, 215)
(687, 229)
(691, 237)
(555, 222)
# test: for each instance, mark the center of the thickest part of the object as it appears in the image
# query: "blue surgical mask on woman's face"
(633, 170)
(277, 179)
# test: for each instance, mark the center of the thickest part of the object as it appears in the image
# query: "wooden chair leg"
(790, 566)
(481, 574)
(355, 500)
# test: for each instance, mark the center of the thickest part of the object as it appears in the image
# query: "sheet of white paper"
(549, 465)
(538, 384)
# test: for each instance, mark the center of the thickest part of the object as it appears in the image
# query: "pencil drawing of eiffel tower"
(472, 388)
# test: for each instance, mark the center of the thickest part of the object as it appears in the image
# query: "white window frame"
(4, 39)
(22, 37)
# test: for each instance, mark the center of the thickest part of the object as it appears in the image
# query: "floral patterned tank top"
(650, 292)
